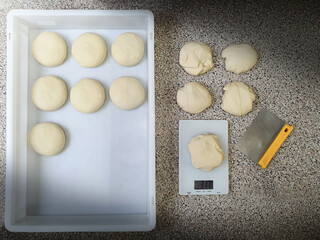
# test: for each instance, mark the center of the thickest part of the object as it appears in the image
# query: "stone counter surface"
(281, 202)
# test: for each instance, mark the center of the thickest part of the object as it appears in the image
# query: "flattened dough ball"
(206, 152)
(237, 99)
(87, 95)
(49, 93)
(89, 50)
(196, 58)
(193, 97)
(128, 49)
(127, 93)
(49, 49)
(47, 138)
(239, 58)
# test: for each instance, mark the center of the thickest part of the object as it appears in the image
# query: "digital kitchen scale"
(194, 181)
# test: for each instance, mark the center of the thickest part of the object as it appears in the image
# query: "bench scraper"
(264, 137)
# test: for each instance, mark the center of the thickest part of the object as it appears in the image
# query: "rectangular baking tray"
(104, 179)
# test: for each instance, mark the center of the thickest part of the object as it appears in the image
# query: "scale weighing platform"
(193, 181)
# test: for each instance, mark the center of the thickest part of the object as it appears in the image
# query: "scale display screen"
(203, 184)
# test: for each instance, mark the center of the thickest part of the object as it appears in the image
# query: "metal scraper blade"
(259, 135)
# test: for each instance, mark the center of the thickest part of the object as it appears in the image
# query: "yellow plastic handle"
(276, 144)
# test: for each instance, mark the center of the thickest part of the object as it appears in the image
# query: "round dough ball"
(49, 93)
(205, 151)
(49, 49)
(239, 58)
(237, 99)
(193, 97)
(89, 50)
(128, 49)
(127, 93)
(87, 95)
(47, 138)
(196, 58)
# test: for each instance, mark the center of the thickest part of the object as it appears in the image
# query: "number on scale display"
(206, 184)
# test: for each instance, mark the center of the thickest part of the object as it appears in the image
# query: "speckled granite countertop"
(282, 202)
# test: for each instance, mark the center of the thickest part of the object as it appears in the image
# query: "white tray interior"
(103, 180)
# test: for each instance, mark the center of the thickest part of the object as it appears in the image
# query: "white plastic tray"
(104, 179)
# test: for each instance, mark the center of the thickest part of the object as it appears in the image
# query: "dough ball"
(239, 58)
(87, 95)
(49, 93)
(47, 138)
(89, 50)
(128, 49)
(49, 49)
(127, 93)
(193, 97)
(205, 151)
(237, 99)
(196, 58)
